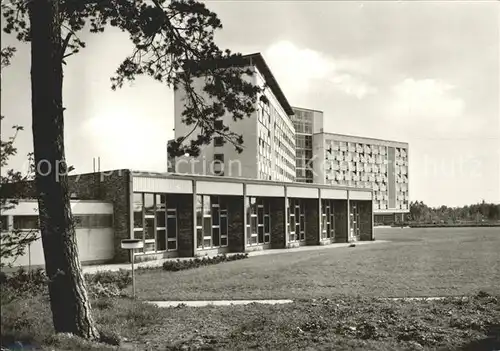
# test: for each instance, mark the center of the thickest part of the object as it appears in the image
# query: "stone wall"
(365, 219)
(341, 217)
(312, 221)
(278, 230)
(113, 187)
(185, 223)
(236, 233)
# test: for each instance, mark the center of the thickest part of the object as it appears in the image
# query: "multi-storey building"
(365, 163)
(268, 134)
(346, 160)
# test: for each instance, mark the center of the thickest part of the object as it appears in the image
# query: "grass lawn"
(417, 262)
(340, 324)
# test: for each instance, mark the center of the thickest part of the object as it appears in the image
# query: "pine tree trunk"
(69, 302)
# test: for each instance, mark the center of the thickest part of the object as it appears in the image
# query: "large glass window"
(25, 222)
(212, 223)
(327, 219)
(258, 221)
(296, 220)
(155, 222)
(93, 221)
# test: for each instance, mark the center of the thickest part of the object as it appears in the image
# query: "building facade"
(336, 159)
(93, 229)
(186, 216)
(268, 133)
(367, 163)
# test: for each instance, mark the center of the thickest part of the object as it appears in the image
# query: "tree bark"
(69, 302)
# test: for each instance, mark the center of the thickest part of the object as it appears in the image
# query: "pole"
(133, 275)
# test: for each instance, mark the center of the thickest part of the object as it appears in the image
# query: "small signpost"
(132, 244)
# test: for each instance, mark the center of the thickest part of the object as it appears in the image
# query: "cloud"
(302, 70)
(429, 105)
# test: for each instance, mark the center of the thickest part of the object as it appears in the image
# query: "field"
(416, 262)
(326, 315)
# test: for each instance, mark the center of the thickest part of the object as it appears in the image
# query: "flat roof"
(258, 60)
(355, 137)
(167, 175)
(306, 109)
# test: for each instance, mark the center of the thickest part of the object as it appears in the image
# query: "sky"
(422, 72)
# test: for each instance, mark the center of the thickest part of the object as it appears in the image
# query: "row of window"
(154, 222)
(29, 222)
(303, 142)
(296, 220)
(258, 221)
(327, 219)
(211, 222)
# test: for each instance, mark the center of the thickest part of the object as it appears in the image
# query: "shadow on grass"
(491, 343)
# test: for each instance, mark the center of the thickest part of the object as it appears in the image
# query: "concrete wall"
(94, 244)
(246, 126)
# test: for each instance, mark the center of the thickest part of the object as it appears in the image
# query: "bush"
(24, 283)
(121, 279)
(178, 265)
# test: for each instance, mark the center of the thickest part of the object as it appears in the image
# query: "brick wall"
(236, 234)
(185, 223)
(365, 218)
(278, 230)
(312, 221)
(341, 217)
(113, 187)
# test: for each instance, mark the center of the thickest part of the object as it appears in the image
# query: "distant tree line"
(421, 213)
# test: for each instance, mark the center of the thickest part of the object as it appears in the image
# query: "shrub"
(178, 265)
(121, 279)
(24, 283)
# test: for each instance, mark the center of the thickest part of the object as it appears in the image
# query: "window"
(4, 223)
(219, 141)
(218, 125)
(89, 221)
(211, 225)
(155, 222)
(25, 222)
(258, 221)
